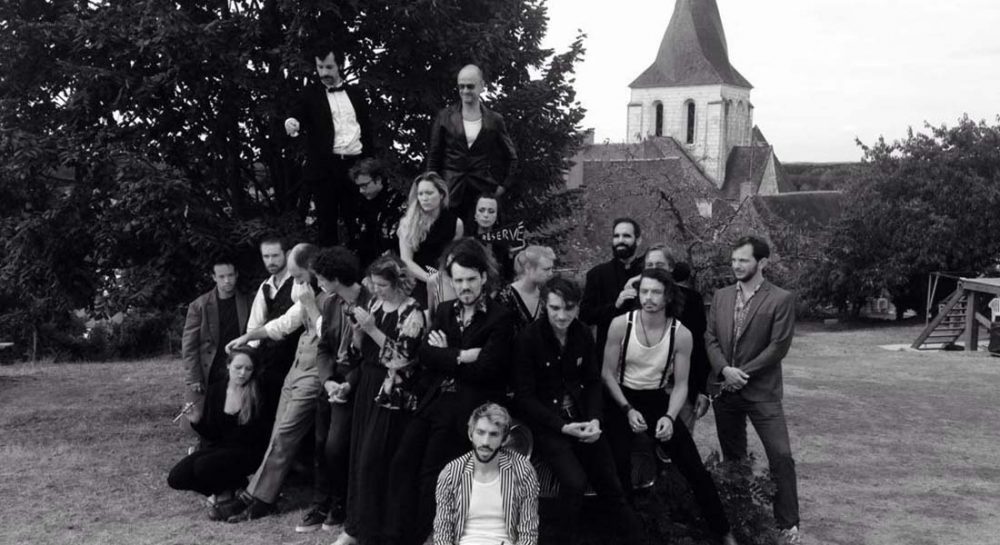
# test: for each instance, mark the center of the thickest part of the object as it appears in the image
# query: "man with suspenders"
(646, 364)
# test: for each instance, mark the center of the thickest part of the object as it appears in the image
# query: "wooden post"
(971, 325)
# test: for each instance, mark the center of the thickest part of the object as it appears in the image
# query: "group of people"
(427, 330)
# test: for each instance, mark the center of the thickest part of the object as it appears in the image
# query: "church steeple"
(693, 51)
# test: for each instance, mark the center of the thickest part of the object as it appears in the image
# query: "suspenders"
(624, 350)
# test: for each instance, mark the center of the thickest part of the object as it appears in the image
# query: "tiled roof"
(806, 209)
(693, 50)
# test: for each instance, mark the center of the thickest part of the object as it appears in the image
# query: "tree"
(926, 203)
(139, 138)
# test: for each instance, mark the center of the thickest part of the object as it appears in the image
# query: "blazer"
(763, 343)
(518, 488)
(544, 372)
(200, 341)
(604, 282)
(491, 329)
(312, 111)
(485, 166)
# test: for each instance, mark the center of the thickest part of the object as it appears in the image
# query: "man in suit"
(334, 117)
(464, 359)
(470, 147)
(750, 328)
(606, 294)
(213, 319)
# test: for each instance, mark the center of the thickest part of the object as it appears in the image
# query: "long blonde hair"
(416, 223)
(250, 392)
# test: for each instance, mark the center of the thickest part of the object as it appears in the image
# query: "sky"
(825, 72)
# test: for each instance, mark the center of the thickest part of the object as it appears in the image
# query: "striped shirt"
(518, 487)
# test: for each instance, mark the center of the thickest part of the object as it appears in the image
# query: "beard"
(747, 274)
(623, 251)
(488, 458)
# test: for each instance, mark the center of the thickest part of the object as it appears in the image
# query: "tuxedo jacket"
(762, 344)
(200, 341)
(312, 110)
(482, 168)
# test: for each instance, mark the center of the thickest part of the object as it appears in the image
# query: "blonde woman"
(426, 230)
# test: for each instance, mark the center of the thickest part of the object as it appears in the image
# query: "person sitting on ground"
(490, 494)
(523, 297)
(426, 230)
(234, 434)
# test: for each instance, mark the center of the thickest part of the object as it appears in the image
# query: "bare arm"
(406, 255)
(612, 353)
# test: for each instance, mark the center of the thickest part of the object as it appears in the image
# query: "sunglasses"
(469, 86)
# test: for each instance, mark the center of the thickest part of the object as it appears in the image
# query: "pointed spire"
(693, 50)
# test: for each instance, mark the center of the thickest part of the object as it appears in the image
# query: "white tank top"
(644, 364)
(485, 523)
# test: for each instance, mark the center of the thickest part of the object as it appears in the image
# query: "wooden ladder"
(947, 326)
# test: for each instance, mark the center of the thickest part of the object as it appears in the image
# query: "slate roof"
(654, 158)
(805, 209)
(693, 50)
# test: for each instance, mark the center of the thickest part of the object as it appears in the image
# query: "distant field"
(891, 448)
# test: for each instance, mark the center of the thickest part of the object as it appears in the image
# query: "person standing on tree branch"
(470, 147)
(334, 118)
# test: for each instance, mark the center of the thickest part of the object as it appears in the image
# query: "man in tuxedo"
(750, 328)
(470, 147)
(334, 118)
(213, 319)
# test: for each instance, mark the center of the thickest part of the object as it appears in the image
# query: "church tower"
(691, 93)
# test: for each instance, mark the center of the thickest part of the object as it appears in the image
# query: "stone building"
(692, 150)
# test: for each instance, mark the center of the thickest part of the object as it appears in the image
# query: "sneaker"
(334, 518)
(789, 536)
(253, 509)
(312, 520)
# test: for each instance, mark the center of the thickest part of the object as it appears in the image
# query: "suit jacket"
(316, 123)
(763, 343)
(482, 168)
(604, 282)
(544, 372)
(200, 341)
(491, 329)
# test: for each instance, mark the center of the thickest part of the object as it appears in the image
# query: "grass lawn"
(891, 448)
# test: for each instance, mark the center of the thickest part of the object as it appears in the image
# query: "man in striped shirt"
(488, 496)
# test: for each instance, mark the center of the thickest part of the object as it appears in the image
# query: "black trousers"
(653, 404)
(332, 456)
(574, 464)
(213, 470)
(335, 198)
(434, 437)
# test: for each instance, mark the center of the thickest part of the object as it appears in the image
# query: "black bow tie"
(335, 89)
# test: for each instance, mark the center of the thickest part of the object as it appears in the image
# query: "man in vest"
(274, 298)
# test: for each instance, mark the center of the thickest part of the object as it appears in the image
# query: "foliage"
(926, 203)
(140, 139)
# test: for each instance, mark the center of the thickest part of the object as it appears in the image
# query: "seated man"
(558, 393)
(488, 496)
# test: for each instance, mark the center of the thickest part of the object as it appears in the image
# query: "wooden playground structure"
(957, 317)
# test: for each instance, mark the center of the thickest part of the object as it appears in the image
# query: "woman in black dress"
(533, 266)
(234, 432)
(425, 230)
(484, 227)
(388, 334)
